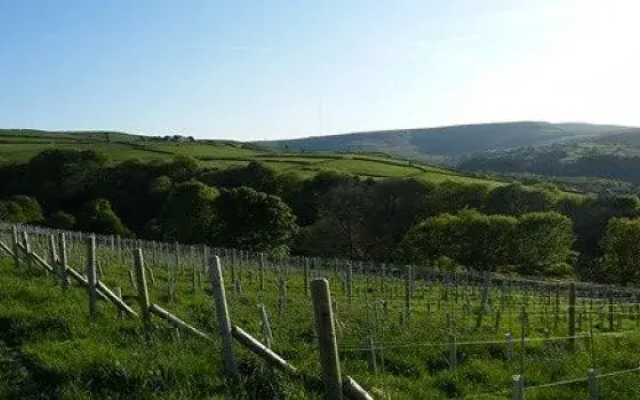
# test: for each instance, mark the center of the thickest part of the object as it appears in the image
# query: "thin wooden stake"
(222, 312)
(265, 325)
(143, 293)
(593, 385)
(326, 332)
(91, 276)
(572, 317)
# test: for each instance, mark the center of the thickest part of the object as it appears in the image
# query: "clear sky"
(265, 69)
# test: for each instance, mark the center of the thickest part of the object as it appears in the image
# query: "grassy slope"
(17, 145)
(48, 345)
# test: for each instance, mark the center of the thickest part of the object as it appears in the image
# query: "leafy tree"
(621, 247)
(253, 220)
(61, 179)
(97, 216)
(590, 215)
(543, 239)
(189, 213)
(516, 199)
(307, 198)
(535, 242)
(339, 230)
(11, 211)
(31, 210)
(20, 209)
(484, 242)
(391, 208)
(452, 197)
(255, 175)
(61, 220)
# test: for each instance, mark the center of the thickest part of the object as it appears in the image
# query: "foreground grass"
(50, 349)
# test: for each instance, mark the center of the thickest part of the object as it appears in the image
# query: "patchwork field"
(19, 145)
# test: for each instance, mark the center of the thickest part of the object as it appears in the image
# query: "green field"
(20, 145)
(49, 348)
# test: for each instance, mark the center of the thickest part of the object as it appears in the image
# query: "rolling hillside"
(452, 141)
(19, 145)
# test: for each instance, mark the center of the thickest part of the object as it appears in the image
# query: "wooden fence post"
(64, 279)
(27, 248)
(16, 248)
(407, 294)
(572, 317)
(143, 293)
(328, 348)
(350, 283)
(265, 325)
(306, 276)
(518, 388)
(611, 312)
(222, 313)
(523, 332)
(593, 385)
(91, 275)
(53, 253)
(509, 347)
(261, 271)
(282, 298)
(368, 345)
(118, 292)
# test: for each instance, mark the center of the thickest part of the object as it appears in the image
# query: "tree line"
(510, 228)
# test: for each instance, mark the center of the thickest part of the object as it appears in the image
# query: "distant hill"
(451, 141)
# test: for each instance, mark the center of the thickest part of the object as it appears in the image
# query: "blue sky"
(272, 69)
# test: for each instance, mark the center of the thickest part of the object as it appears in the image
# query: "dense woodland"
(535, 230)
(559, 162)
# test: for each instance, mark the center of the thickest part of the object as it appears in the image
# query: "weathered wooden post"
(205, 258)
(16, 248)
(265, 325)
(523, 332)
(143, 293)
(509, 347)
(261, 271)
(62, 265)
(118, 292)
(282, 298)
(407, 294)
(572, 317)
(194, 276)
(27, 248)
(53, 253)
(178, 266)
(326, 332)
(611, 312)
(518, 388)
(306, 276)
(91, 275)
(483, 304)
(453, 352)
(368, 345)
(222, 314)
(350, 283)
(593, 385)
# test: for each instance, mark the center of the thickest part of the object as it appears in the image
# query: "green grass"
(20, 145)
(48, 344)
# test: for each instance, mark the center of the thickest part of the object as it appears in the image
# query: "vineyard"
(84, 315)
